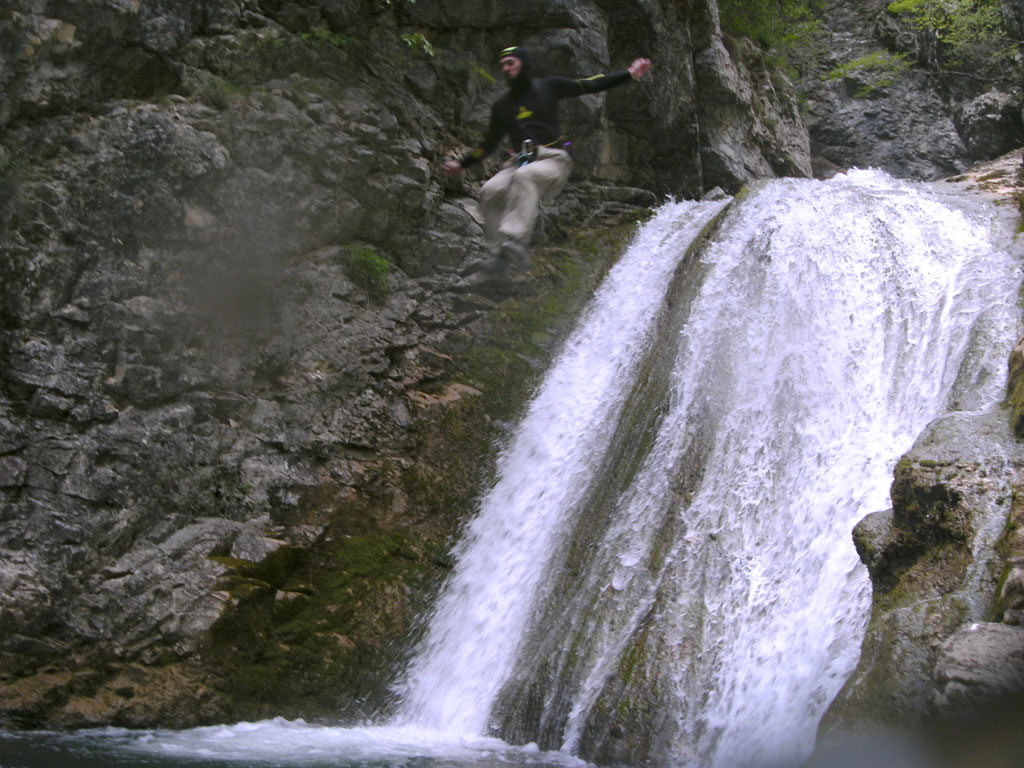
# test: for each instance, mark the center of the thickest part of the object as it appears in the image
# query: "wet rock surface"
(978, 664)
(942, 638)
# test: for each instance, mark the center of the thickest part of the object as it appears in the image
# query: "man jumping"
(528, 114)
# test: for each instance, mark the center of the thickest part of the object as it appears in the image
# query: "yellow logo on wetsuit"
(524, 113)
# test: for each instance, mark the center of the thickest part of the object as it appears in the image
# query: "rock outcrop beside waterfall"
(944, 648)
(944, 634)
(245, 398)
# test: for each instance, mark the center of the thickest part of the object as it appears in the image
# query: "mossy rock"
(319, 630)
(1015, 389)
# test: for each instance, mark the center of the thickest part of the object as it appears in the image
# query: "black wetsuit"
(530, 111)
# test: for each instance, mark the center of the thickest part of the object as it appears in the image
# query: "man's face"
(511, 67)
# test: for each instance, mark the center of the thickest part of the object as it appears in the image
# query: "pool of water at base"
(271, 744)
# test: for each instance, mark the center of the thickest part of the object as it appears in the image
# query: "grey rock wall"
(231, 328)
(880, 97)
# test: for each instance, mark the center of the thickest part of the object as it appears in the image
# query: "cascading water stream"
(852, 338)
(900, 312)
(834, 322)
(482, 613)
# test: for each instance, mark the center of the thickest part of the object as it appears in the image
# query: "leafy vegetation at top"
(788, 28)
(776, 24)
(877, 70)
(483, 74)
(968, 31)
(324, 36)
(368, 269)
(418, 43)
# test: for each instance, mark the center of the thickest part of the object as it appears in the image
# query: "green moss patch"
(367, 269)
(933, 573)
(312, 627)
(1015, 391)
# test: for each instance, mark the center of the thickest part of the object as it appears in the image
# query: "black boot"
(515, 254)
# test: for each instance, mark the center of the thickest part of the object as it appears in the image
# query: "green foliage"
(482, 73)
(877, 70)
(789, 30)
(324, 36)
(218, 92)
(778, 24)
(368, 269)
(418, 43)
(971, 30)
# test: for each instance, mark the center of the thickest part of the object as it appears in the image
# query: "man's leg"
(527, 187)
(493, 202)
(510, 201)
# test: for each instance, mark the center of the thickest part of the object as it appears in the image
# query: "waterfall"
(481, 614)
(663, 569)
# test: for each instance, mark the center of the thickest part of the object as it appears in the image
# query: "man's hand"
(452, 168)
(639, 68)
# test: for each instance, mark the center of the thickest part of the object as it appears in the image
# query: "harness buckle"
(527, 153)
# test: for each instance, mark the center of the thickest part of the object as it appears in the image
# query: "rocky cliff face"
(245, 397)
(880, 97)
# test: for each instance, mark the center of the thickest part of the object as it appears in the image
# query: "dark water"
(48, 750)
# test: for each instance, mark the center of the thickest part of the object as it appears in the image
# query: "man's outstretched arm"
(599, 83)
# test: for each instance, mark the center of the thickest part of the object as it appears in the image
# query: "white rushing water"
(481, 615)
(834, 321)
(838, 320)
(858, 335)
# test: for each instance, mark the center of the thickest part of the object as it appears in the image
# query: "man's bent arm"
(495, 131)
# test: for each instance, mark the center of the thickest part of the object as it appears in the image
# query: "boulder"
(979, 664)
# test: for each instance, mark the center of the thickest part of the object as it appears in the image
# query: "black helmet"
(517, 51)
